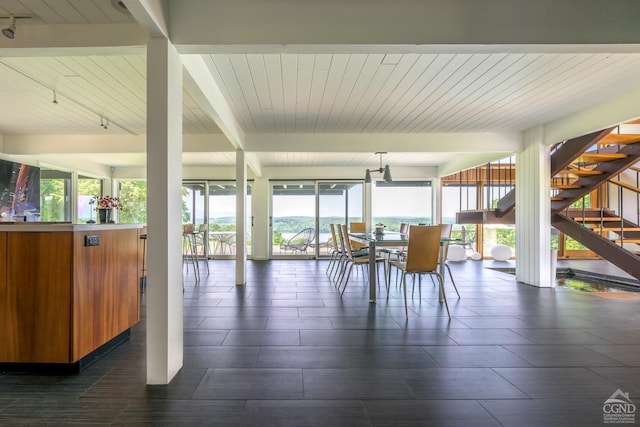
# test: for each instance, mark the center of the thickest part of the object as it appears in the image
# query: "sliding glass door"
(212, 205)
(222, 219)
(339, 202)
(301, 212)
(293, 219)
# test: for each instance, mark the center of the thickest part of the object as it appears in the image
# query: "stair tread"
(600, 157)
(580, 172)
(626, 240)
(614, 228)
(557, 198)
(620, 138)
(596, 218)
(566, 186)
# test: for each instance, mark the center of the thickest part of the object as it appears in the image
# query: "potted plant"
(105, 206)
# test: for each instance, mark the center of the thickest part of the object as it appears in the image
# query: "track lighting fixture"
(10, 31)
(55, 98)
(104, 122)
(385, 170)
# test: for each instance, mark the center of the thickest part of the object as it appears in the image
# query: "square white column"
(164, 212)
(533, 216)
(241, 217)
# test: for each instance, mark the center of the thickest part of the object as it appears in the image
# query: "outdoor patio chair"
(300, 242)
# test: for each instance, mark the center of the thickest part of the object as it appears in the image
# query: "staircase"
(580, 166)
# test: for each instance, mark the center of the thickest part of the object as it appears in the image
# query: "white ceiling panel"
(410, 93)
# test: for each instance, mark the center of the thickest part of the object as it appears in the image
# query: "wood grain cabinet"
(64, 295)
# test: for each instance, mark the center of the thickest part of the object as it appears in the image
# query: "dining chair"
(446, 234)
(336, 253)
(395, 254)
(358, 227)
(423, 252)
(356, 260)
(343, 260)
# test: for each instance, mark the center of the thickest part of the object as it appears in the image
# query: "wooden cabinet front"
(38, 303)
(4, 306)
(106, 296)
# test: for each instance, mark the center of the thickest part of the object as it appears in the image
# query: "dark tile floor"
(286, 350)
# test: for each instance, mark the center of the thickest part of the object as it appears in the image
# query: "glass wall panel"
(401, 201)
(293, 214)
(339, 203)
(222, 219)
(455, 198)
(133, 196)
(55, 195)
(88, 188)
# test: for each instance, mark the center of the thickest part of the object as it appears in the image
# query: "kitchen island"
(67, 292)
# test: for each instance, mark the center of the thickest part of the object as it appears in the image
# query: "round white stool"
(456, 253)
(501, 252)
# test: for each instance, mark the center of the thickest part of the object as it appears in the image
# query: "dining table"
(392, 239)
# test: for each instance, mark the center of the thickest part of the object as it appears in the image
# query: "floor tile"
(475, 356)
(546, 383)
(561, 355)
(355, 383)
(453, 413)
(312, 413)
(561, 412)
(255, 383)
(459, 383)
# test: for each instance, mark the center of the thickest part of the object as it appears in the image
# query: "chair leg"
(346, 282)
(444, 295)
(452, 281)
(404, 287)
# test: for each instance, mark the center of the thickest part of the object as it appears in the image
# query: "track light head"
(10, 31)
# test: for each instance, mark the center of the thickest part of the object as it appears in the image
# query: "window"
(133, 196)
(88, 188)
(401, 201)
(55, 191)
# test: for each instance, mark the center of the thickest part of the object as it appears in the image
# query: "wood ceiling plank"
(303, 90)
(273, 69)
(335, 75)
(222, 71)
(247, 89)
(289, 64)
(362, 84)
(321, 67)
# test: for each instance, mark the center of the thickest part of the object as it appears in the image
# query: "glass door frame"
(206, 183)
(346, 219)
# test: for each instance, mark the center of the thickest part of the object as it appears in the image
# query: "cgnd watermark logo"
(619, 409)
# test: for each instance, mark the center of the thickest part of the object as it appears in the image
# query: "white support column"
(164, 218)
(436, 201)
(533, 218)
(260, 210)
(241, 217)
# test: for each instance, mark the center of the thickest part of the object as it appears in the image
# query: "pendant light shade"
(387, 174)
(385, 170)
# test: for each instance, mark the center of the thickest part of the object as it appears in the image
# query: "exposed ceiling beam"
(151, 14)
(358, 142)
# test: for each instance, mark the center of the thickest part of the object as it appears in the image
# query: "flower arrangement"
(106, 202)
